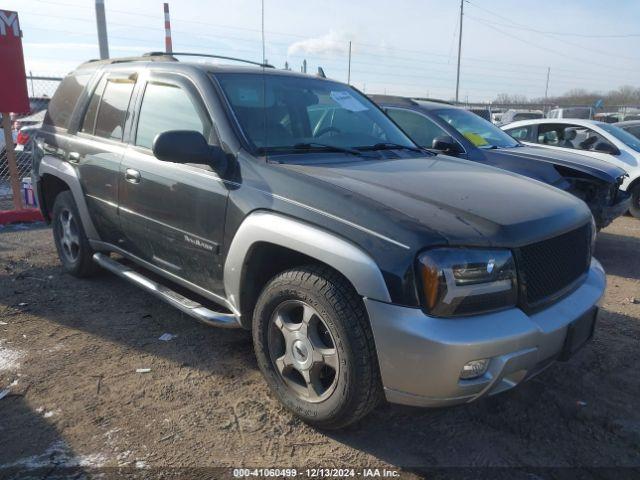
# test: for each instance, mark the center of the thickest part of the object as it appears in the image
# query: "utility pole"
(459, 49)
(101, 22)
(546, 90)
(264, 60)
(168, 43)
(349, 70)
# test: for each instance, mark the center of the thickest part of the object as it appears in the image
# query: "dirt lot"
(69, 350)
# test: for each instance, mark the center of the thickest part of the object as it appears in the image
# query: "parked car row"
(600, 141)
(458, 132)
(429, 271)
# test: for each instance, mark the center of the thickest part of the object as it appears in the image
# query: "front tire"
(72, 244)
(634, 209)
(315, 347)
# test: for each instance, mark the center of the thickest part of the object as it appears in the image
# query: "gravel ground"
(69, 351)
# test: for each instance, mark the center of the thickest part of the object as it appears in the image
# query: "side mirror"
(605, 147)
(187, 146)
(445, 143)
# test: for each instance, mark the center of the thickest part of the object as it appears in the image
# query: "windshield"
(481, 133)
(282, 113)
(622, 135)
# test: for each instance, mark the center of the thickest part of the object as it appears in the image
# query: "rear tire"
(634, 209)
(74, 251)
(315, 347)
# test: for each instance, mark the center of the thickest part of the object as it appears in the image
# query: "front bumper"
(421, 357)
(604, 215)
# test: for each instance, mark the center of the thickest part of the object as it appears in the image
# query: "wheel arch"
(267, 243)
(60, 174)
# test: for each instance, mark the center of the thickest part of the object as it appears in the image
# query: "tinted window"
(418, 127)
(89, 122)
(64, 100)
(168, 107)
(521, 133)
(634, 131)
(526, 116)
(625, 137)
(279, 113)
(112, 111)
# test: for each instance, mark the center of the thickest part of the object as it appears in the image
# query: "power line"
(566, 42)
(567, 34)
(539, 47)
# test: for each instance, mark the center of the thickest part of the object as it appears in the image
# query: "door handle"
(132, 176)
(74, 157)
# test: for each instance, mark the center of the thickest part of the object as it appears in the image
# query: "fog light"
(474, 369)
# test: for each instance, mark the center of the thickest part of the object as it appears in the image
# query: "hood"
(600, 169)
(464, 202)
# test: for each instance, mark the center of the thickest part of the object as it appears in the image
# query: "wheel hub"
(300, 350)
(303, 351)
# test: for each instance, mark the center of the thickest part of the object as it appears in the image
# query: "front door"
(172, 214)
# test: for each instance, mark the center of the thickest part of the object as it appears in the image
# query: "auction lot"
(69, 351)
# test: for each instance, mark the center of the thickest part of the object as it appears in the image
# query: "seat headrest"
(570, 134)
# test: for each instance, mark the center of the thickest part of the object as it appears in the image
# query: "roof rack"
(167, 57)
(206, 55)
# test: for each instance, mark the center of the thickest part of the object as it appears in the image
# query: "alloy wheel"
(69, 235)
(303, 351)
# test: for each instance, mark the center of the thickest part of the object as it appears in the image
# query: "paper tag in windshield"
(348, 102)
(476, 139)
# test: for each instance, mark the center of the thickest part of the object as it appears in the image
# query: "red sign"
(13, 82)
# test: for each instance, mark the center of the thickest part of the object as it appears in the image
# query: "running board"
(182, 303)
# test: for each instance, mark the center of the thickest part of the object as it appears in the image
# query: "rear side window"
(89, 122)
(64, 100)
(112, 111)
(521, 133)
(168, 107)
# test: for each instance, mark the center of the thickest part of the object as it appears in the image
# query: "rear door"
(172, 214)
(98, 147)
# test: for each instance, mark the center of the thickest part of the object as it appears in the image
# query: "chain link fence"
(23, 127)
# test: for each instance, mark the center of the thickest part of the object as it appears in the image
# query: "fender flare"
(268, 227)
(65, 172)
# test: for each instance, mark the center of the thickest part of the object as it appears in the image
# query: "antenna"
(321, 73)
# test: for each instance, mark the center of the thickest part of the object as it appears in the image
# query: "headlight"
(594, 233)
(466, 281)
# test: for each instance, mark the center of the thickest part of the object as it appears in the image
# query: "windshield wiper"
(391, 146)
(327, 147)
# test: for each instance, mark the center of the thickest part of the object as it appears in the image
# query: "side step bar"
(182, 303)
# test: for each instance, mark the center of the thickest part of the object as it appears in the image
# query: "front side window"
(477, 130)
(570, 136)
(634, 130)
(279, 113)
(112, 109)
(625, 137)
(168, 107)
(421, 130)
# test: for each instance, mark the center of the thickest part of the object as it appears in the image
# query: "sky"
(403, 47)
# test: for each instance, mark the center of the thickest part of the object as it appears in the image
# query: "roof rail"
(377, 98)
(109, 61)
(206, 55)
(434, 100)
